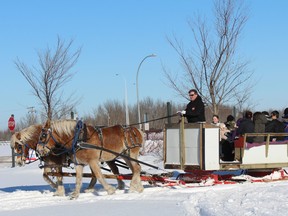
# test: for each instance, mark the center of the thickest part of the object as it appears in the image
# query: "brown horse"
(27, 139)
(61, 135)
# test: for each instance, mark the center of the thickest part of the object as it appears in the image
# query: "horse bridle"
(58, 146)
(21, 150)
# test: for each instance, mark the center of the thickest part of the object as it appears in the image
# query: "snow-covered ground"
(24, 192)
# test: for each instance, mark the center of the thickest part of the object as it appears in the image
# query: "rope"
(157, 119)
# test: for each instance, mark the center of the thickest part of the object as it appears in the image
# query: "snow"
(24, 192)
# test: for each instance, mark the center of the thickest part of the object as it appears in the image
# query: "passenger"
(285, 121)
(275, 126)
(230, 123)
(260, 121)
(246, 126)
(235, 136)
(195, 109)
(266, 115)
(215, 120)
(226, 144)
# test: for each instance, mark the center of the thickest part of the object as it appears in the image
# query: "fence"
(6, 152)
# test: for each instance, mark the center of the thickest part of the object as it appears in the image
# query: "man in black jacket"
(275, 126)
(195, 110)
(246, 126)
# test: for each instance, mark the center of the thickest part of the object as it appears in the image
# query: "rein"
(58, 146)
(157, 119)
(22, 153)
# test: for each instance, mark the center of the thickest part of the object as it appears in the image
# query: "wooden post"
(169, 112)
(201, 149)
(182, 143)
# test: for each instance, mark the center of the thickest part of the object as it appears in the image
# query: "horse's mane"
(29, 133)
(26, 134)
(13, 140)
(66, 127)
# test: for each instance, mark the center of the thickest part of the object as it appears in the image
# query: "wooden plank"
(150, 178)
(182, 143)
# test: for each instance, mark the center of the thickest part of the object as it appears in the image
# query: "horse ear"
(47, 124)
(18, 135)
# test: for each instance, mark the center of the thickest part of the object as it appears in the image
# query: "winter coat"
(260, 121)
(246, 126)
(195, 111)
(275, 126)
(285, 122)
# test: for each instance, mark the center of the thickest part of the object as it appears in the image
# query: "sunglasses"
(191, 95)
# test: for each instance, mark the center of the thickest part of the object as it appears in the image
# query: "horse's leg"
(97, 171)
(135, 184)
(60, 187)
(92, 183)
(115, 170)
(47, 179)
(79, 173)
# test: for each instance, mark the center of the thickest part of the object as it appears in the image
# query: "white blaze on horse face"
(42, 150)
(20, 155)
(41, 147)
(20, 161)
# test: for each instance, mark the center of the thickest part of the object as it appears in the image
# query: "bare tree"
(212, 66)
(49, 77)
(113, 112)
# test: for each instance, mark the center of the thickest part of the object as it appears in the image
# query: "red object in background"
(11, 123)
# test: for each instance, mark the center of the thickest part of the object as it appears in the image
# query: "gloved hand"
(181, 113)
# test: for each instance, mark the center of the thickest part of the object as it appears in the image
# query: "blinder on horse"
(59, 148)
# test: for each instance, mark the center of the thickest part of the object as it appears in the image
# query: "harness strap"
(100, 135)
(131, 135)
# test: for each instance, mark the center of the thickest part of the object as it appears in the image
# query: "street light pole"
(126, 101)
(137, 91)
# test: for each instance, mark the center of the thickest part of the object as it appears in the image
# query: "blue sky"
(116, 35)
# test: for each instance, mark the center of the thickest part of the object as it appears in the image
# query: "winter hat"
(285, 113)
(266, 114)
(248, 114)
(231, 118)
(275, 113)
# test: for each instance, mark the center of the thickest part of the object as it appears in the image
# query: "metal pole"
(13, 158)
(126, 105)
(137, 91)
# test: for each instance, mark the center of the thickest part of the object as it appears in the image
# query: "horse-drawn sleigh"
(191, 148)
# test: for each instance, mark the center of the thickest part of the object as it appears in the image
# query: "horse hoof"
(133, 189)
(89, 190)
(111, 191)
(58, 194)
(74, 196)
(121, 186)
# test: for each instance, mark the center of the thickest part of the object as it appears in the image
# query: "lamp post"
(126, 101)
(137, 91)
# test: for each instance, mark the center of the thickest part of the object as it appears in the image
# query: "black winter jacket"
(195, 111)
(275, 126)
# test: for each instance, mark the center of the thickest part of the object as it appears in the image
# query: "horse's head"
(21, 152)
(55, 137)
(43, 147)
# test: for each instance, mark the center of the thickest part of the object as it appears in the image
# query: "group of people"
(258, 122)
